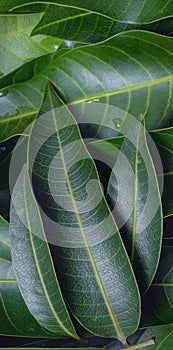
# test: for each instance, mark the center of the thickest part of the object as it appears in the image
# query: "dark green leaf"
(126, 11)
(159, 299)
(162, 335)
(15, 319)
(101, 72)
(164, 141)
(92, 264)
(33, 264)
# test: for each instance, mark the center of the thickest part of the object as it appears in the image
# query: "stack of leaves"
(86, 174)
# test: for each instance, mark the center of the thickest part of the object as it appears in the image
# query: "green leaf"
(97, 279)
(16, 45)
(88, 27)
(19, 105)
(15, 318)
(162, 335)
(101, 72)
(160, 296)
(164, 141)
(139, 211)
(33, 264)
(128, 12)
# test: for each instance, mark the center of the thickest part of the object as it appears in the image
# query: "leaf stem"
(141, 345)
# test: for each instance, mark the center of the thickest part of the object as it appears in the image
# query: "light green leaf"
(15, 318)
(97, 279)
(16, 45)
(33, 264)
(126, 11)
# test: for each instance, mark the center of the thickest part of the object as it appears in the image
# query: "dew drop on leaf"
(118, 123)
(3, 93)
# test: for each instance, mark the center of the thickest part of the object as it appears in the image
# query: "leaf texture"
(127, 11)
(33, 264)
(92, 264)
(15, 318)
(101, 73)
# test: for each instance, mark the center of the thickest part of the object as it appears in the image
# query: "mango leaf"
(158, 300)
(15, 318)
(19, 106)
(16, 45)
(164, 141)
(162, 336)
(128, 12)
(33, 264)
(139, 211)
(97, 279)
(88, 27)
(101, 73)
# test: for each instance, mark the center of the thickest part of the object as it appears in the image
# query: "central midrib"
(120, 335)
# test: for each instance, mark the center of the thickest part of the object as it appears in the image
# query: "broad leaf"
(128, 12)
(33, 264)
(92, 264)
(16, 45)
(159, 299)
(15, 318)
(101, 73)
(164, 141)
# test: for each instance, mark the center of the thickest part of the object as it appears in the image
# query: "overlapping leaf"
(15, 318)
(92, 264)
(16, 45)
(33, 264)
(126, 11)
(160, 295)
(88, 27)
(164, 142)
(133, 185)
(101, 72)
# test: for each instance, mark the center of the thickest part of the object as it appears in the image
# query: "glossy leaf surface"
(15, 318)
(129, 12)
(101, 73)
(91, 261)
(33, 264)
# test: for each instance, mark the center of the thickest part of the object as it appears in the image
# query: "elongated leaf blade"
(160, 296)
(101, 73)
(139, 212)
(162, 335)
(15, 318)
(33, 264)
(129, 12)
(87, 27)
(164, 142)
(92, 264)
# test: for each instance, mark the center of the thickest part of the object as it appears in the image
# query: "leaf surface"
(92, 264)
(15, 318)
(101, 73)
(127, 11)
(33, 264)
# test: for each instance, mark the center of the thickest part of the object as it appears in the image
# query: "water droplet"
(3, 93)
(118, 123)
(90, 102)
(96, 100)
(55, 47)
